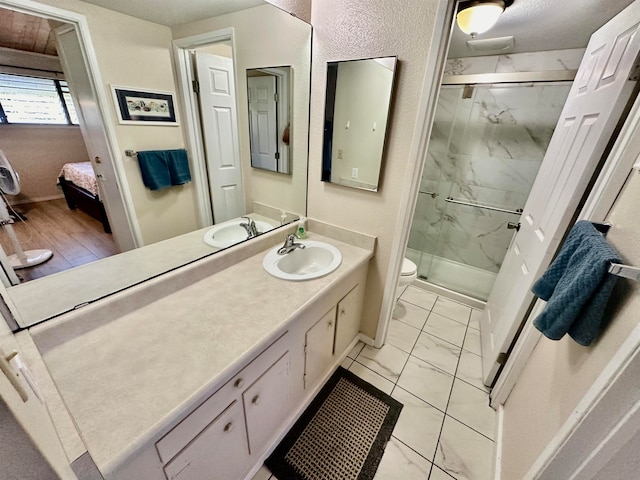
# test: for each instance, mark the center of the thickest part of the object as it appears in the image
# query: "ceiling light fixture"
(478, 16)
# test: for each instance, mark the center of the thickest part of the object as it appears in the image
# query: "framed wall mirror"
(168, 228)
(269, 98)
(357, 104)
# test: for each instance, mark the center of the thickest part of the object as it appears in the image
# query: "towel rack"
(487, 207)
(130, 153)
(616, 268)
(625, 271)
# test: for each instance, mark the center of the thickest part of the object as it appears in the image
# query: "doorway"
(41, 145)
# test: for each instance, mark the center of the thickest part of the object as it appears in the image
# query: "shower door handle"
(513, 226)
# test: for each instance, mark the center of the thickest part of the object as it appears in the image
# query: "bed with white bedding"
(80, 187)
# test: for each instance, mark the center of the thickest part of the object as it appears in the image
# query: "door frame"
(130, 236)
(191, 112)
(434, 71)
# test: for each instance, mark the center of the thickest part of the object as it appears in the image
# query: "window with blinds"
(35, 100)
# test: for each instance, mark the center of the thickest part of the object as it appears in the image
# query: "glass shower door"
(487, 145)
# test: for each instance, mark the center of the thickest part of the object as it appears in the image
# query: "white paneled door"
(262, 122)
(596, 101)
(220, 130)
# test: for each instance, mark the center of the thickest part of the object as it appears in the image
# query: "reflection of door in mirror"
(219, 120)
(269, 123)
(263, 125)
(356, 112)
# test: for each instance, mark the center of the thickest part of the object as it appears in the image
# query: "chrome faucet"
(250, 227)
(290, 245)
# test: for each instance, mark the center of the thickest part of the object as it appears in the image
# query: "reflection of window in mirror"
(269, 124)
(356, 112)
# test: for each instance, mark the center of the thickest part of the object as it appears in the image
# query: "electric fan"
(10, 185)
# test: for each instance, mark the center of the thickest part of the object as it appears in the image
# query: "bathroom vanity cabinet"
(211, 395)
(232, 431)
(331, 336)
(238, 419)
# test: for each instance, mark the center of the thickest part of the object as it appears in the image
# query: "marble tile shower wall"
(486, 149)
(568, 59)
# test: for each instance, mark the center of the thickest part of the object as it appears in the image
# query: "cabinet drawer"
(174, 441)
(218, 452)
(267, 403)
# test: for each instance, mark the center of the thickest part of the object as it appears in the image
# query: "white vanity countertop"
(123, 270)
(127, 379)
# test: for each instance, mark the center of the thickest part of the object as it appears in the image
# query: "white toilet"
(408, 274)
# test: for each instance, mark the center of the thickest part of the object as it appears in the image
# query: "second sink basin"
(316, 260)
(229, 233)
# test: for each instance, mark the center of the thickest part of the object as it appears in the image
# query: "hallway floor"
(431, 363)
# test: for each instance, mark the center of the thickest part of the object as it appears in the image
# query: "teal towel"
(178, 166)
(164, 168)
(154, 169)
(577, 286)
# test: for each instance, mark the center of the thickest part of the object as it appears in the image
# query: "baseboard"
(497, 466)
(365, 339)
(38, 199)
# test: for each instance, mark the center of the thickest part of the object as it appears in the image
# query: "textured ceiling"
(536, 24)
(175, 12)
(539, 25)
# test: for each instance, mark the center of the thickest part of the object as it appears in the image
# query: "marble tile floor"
(431, 364)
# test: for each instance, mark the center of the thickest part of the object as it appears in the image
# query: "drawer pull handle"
(342, 312)
(238, 383)
(256, 400)
(228, 427)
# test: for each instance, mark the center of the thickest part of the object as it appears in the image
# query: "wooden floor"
(74, 237)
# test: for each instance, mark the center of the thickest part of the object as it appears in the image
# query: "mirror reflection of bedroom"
(42, 142)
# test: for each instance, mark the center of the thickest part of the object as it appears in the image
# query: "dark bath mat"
(340, 436)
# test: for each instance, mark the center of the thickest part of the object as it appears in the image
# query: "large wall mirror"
(357, 105)
(157, 231)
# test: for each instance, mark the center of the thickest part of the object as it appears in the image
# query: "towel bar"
(618, 269)
(625, 271)
(130, 153)
(487, 207)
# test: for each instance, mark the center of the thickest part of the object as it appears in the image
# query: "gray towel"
(577, 286)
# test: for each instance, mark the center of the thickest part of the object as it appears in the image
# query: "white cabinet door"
(218, 452)
(348, 320)
(319, 348)
(267, 404)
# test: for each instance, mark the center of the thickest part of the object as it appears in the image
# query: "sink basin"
(230, 233)
(316, 260)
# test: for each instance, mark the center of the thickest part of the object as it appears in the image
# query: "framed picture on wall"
(144, 107)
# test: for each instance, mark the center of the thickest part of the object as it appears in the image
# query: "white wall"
(266, 36)
(37, 153)
(137, 54)
(298, 8)
(351, 29)
(559, 374)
